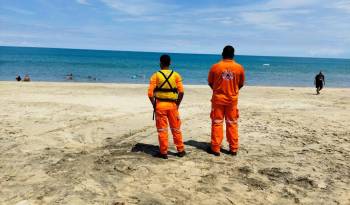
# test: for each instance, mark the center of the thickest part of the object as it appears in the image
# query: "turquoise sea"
(51, 64)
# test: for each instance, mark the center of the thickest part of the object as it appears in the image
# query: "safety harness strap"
(174, 90)
(165, 100)
(171, 89)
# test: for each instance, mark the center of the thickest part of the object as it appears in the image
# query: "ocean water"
(50, 64)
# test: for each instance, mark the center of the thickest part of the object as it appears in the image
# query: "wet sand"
(75, 143)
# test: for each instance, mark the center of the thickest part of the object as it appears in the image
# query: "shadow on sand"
(149, 149)
(198, 145)
(202, 146)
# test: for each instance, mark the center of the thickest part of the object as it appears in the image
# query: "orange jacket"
(226, 78)
(153, 85)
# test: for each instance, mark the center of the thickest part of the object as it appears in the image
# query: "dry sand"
(79, 143)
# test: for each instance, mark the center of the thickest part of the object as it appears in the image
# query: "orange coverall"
(167, 111)
(225, 78)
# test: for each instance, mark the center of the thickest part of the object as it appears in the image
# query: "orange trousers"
(162, 117)
(231, 115)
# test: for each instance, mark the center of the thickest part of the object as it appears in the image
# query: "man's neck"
(165, 68)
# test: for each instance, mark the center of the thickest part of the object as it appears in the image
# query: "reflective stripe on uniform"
(217, 121)
(231, 121)
(162, 129)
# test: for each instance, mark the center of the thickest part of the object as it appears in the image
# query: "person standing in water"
(165, 93)
(225, 79)
(69, 76)
(319, 82)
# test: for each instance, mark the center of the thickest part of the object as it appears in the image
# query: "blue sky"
(317, 28)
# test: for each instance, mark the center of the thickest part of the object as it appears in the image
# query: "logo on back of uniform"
(227, 75)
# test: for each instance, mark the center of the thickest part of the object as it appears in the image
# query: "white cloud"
(343, 5)
(288, 4)
(19, 10)
(136, 7)
(135, 19)
(272, 14)
(85, 2)
(275, 14)
(326, 51)
(267, 27)
(268, 20)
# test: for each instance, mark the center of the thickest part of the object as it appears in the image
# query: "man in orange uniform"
(165, 93)
(225, 78)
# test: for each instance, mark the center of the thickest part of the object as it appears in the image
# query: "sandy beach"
(80, 143)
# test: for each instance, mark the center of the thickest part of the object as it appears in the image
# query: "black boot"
(233, 153)
(210, 151)
(181, 154)
(160, 155)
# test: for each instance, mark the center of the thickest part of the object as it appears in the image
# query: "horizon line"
(185, 53)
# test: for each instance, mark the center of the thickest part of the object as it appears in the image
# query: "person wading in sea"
(165, 93)
(225, 78)
(319, 82)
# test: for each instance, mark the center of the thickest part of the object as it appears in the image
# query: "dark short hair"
(228, 52)
(165, 60)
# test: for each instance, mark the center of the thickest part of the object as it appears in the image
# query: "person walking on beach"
(225, 79)
(18, 78)
(165, 93)
(319, 82)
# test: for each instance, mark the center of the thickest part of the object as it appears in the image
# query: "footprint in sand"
(255, 183)
(276, 174)
(245, 170)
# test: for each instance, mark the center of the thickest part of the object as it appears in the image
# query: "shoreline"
(145, 85)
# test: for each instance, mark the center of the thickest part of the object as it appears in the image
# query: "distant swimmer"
(137, 76)
(69, 76)
(165, 93)
(225, 79)
(319, 82)
(18, 78)
(26, 78)
(92, 78)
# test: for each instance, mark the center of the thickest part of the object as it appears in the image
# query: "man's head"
(165, 61)
(228, 52)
